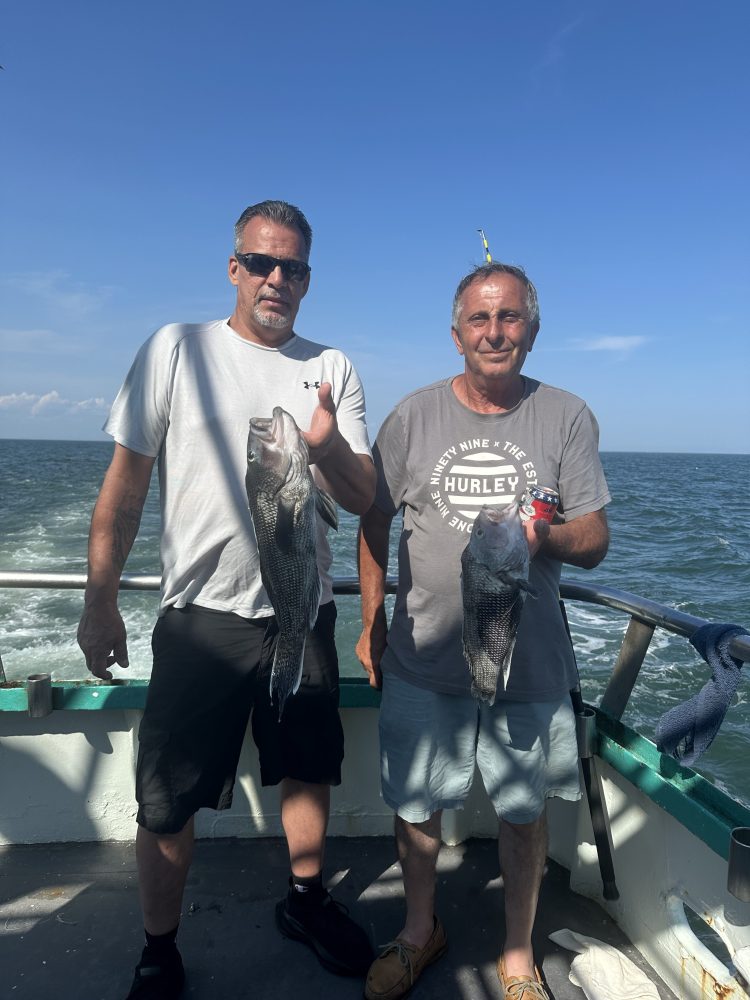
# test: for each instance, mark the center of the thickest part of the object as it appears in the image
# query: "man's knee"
(530, 827)
(176, 848)
(429, 829)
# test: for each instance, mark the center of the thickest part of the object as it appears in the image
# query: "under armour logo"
(311, 385)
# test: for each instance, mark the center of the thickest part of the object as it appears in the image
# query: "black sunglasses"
(261, 265)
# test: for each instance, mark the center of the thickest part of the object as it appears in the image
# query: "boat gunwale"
(707, 811)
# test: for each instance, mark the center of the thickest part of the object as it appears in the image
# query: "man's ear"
(534, 332)
(457, 340)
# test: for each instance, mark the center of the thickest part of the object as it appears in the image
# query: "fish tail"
(482, 694)
(286, 672)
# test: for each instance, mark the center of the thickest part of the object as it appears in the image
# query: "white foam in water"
(588, 645)
(37, 640)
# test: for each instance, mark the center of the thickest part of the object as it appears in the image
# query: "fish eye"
(479, 532)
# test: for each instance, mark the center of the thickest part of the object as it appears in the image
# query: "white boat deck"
(70, 922)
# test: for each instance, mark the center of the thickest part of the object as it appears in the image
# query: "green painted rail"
(120, 694)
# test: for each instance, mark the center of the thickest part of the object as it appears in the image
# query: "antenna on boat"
(487, 254)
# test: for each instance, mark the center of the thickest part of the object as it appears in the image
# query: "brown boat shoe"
(520, 987)
(400, 964)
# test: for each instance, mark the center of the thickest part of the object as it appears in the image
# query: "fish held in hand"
(283, 501)
(494, 585)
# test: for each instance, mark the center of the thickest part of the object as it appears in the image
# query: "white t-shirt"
(188, 399)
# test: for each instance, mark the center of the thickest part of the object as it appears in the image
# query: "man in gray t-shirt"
(446, 450)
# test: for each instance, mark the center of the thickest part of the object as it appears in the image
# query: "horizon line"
(603, 451)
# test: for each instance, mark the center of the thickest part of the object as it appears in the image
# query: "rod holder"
(39, 695)
(738, 870)
(586, 732)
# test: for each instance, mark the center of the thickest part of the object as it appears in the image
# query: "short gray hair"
(280, 212)
(483, 271)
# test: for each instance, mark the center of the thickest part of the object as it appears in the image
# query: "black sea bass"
(494, 584)
(283, 499)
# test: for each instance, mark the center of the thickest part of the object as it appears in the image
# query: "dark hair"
(275, 211)
(482, 271)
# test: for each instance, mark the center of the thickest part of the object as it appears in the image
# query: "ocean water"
(680, 536)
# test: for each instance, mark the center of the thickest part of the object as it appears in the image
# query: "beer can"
(539, 503)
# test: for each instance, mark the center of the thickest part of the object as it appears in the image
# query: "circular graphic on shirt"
(477, 472)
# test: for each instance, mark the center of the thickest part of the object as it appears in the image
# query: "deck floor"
(70, 922)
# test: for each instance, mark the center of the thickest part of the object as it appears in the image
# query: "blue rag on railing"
(687, 731)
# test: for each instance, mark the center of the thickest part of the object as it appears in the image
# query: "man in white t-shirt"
(187, 401)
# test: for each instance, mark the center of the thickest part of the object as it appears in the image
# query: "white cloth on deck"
(601, 971)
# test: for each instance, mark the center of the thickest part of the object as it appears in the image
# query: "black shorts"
(211, 669)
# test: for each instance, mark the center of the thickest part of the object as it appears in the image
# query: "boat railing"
(645, 617)
(700, 807)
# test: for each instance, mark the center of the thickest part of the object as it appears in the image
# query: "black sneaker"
(325, 926)
(162, 981)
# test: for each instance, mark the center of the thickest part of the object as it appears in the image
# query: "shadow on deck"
(70, 922)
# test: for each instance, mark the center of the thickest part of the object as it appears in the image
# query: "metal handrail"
(645, 610)
(645, 616)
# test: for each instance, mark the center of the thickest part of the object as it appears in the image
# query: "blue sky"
(602, 146)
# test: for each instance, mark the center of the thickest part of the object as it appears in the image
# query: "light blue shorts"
(430, 742)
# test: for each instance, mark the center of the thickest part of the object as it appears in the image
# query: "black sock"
(159, 946)
(306, 888)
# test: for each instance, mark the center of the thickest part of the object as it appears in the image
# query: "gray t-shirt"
(188, 398)
(439, 462)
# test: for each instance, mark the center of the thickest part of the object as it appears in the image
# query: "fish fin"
(506, 670)
(326, 507)
(315, 608)
(295, 689)
(513, 583)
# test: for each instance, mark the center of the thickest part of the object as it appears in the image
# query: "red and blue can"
(539, 503)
